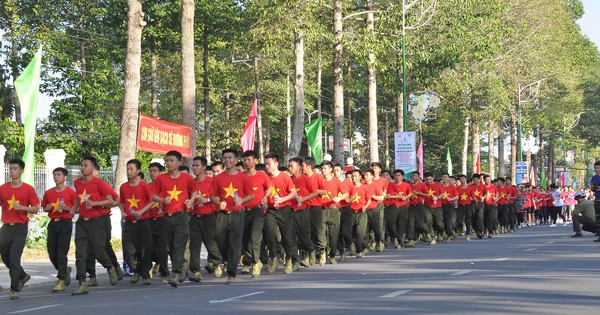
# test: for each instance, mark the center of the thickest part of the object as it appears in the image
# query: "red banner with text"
(159, 136)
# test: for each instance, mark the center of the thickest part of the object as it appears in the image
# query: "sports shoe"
(305, 262)
(429, 238)
(230, 280)
(287, 267)
(113, 276)
(552, 225)
(256, 269)
(155, 269)
(196, 277)
(92, 282)
(343, 257)
(381, 247)
(22, 282)
(312, 259)
(296, 267)
(577, 235)
(164, 279)
(245, 269)
(14, 295)
(135, 278)
(273, 266)
(365, 252)
(68, 278)
(467, 238)
(323, 259)
(433, 242)
(479, 236)
(410, 243)
(82, 289)
(372, 246)
(210, 268)
(396, 243)
(566, 223)
(358, 255)
(333, 261)
(59, 287)
(119, 271)
(147, 281)
(218, 271)
(174, 280)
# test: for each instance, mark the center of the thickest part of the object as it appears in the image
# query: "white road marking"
(35, 309)
(460, 273)
(235, 298)
(395, 294)
(39, 277)
(502, 259)
(550, 243)
(529, 250)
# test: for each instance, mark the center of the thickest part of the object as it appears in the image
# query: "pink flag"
(562, 179)
(420, 157)
(250, 129)
(478, 164)
(532, 178)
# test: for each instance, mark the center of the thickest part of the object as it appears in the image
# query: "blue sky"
(589, 23)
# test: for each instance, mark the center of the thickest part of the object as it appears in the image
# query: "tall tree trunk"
(541, 154)
(372, 87)
(86, 142)
(154, 78)
(288, 118)
(501, 171)
(338, 85)
(133, 63)
(206, 94)
(513, 145)
(259, 123)
(14, 64)
(400, 99)
(319, 83)
(475, 147)
(350, 106)
(387, 141)
(227, 104)
(465, 147)
(267, 135)
(188, 79)
(491, 161)
(297, 133)
(550, 178)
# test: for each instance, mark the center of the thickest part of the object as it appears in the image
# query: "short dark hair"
(500, 179)
(176, 154)
(201, 159)
(135, 162)
(370, 171)
(486, 176)
(507, 178)
(160, 167)
(476, 175)
(92, 159)
(337, 165)
(349, 172)
(18, 162)
(328, 163)
(273, 156)
(183, 168)
(297, 160)
(260, 167)
(357, 171)
(597, 163)
(239, 164)
(250, 153)
(62, 170)
(445, 173)
(396, 171)
(282, 168)
(373, 164)
(215, 163)
(230, 150)
(416, 173)
(461, 176)
(309, 161)
(141, 175)
(427, 174)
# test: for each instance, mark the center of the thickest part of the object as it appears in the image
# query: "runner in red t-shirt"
(156, 213)
(255, 214)
(331, 212)
(300, 215)
(512, 211)
(449, 199)
(504, 193)
(464, 214)
(490, 199)
(135, 201)
(203, 222)
(59, 202)
(315, 209)
(373, 214)
(346, 213)
(359, 199)
(433, 206)
(416, 211)
(17, 199)
(396, 213)
(478, 192)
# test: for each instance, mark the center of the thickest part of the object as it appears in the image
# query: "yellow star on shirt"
(274, 191)
(230, 191)
(431, 192)
(82, 196)
(356, 198)
(477, 192)
(503, 195)
(175, 193)
(463, 196)
(12, 202)
(489, 194)
(55, 205)
(327, 195)
(201, 194)
(400, 193)
(445, 195)
(133, 202)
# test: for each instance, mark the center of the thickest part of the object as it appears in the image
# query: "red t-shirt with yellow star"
(226, 187)
(403, 189)
(204, 188)
(434, 189)
(346, 187)
(282, 185)
(301, 184)
(391, 190)
(417, 199)
(53, 197)
(478, 192)
(157, 209)
(449, 193)
(179, 189)
(259, 183)
(504, 193)
(464, 195)
(333, 187)
(25, 195)
(135, 198)
(95, 190)
(491, 192)
(359, 197)
(315, 182)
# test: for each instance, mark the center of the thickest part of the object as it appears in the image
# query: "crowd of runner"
(255, 216)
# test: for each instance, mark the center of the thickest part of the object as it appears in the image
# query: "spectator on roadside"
(583, 215)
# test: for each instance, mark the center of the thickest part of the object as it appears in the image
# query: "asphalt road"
(538, 270)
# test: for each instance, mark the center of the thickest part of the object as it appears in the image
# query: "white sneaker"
(566, 223)
(552, 225)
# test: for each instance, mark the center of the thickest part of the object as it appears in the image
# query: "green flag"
(543, 180)
(313, 135)
(27, 86)
(449, 162)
